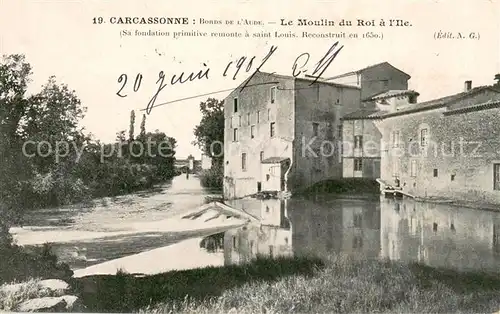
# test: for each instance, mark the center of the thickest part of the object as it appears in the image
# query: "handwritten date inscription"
(232, 69)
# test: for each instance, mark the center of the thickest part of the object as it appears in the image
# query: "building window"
(339, 131)
(272, 129)
(452, 177)
(234, 242)
(413, 169)
(258, 116)
(261, 155)
(395, 168)
(239, 120)
(268, 114)
(235, 135)
(395, 139)
(244, 162)
(496, 177)
(271, 251)
(252, 131)
(315, 128)
(423, 137)
(235, 104)
(358, 141)
(248, 118)
(358, 164)
(268, 177)
(435, 172)
(273, 94)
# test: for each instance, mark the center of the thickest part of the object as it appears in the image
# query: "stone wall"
(457, 162)
(255, 111)
(369, 153)
(317, 156)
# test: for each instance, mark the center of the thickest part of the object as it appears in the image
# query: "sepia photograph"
(250, 156)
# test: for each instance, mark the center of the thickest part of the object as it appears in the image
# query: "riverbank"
(460, 203)
(345, 187)
(338, 284)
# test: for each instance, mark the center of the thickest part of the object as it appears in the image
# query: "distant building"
(191, 161)
(188, 164)
(283, 132)
(361, 137)
(275, 129)
(447, 147)
(206, 162)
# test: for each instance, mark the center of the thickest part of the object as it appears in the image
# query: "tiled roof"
(438, 103)
(379, 114)
(483, 106)
(361, 114)
(367, 68)
(273, 160)
(309, 79)
(392, 93)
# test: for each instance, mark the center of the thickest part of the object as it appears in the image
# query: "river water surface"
(131, 231)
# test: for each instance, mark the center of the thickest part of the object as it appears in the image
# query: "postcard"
(250, 156)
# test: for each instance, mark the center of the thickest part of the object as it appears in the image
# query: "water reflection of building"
(333, 226)
(440, 235)
(320, 227)
(271, 236)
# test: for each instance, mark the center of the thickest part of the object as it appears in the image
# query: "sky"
(59, 38)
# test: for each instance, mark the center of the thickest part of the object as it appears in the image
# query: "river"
(117, 229)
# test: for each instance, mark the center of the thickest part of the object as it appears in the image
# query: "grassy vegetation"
(343, 186)
(126, 293)
(20, 264)
(339, 284)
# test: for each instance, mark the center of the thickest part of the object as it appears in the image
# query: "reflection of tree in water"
(213, 243)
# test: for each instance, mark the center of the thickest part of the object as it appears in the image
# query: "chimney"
(497, 79)
(467, 86)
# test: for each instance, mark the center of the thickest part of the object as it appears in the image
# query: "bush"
(20, 264)
(344, 186)
(212, 178)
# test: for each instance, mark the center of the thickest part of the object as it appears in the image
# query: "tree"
(131, 128)
(53, 116)
(160, 154)
(143, 126)
(14, 169)
(209, 133)
(14, 79)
